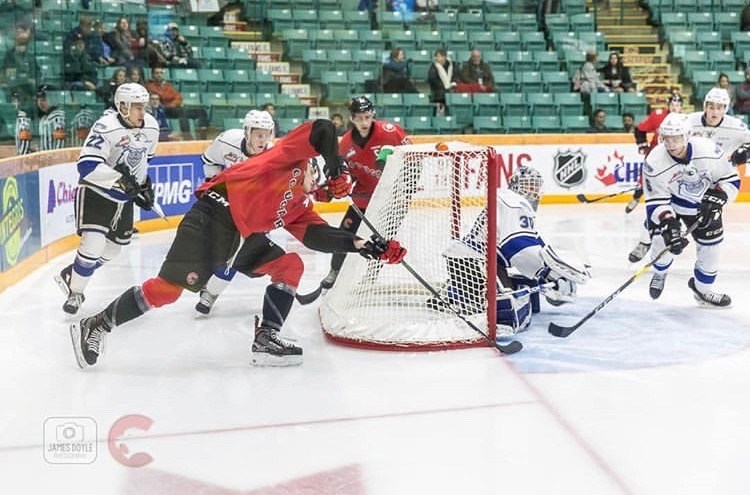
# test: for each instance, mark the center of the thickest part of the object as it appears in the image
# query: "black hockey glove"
(378, 248)
(672, 235)
(145, 198)
(741, 154)
(129, 185)
(711, 204)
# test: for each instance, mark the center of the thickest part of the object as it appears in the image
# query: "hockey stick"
(561, 331)
(510, 348)
(583, 199)
(305, 299)
(158, 210)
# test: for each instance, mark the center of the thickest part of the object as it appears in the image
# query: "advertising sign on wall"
(19, 218)
(57, 193)
(175, 179)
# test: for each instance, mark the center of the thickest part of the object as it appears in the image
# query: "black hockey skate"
(206, 302)
(63, 279)
(88, 339)
(656, 286)
(709, 298)
(73, 303)
(638, 252)
(270, 350)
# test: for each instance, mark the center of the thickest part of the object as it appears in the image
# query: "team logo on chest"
(569, 168)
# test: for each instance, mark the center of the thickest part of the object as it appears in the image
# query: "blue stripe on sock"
(222, 274)
(704, 278)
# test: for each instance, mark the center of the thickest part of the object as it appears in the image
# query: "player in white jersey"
(523, 258)
(230, 147)
(688, 178)
(112, 169)
(713, 123)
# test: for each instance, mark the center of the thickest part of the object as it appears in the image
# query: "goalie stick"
(562, 331)
(583, 199)
(510, 348)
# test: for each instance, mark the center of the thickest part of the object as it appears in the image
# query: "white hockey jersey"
(227, 149)
(111, 147)
(677, 187)
(729, 134)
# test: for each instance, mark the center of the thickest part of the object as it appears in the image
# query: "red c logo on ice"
(119, 450)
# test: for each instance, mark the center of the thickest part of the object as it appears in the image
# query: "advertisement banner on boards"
(175, 179)
(57, 194)
(19, 218)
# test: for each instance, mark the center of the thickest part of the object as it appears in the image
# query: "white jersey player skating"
(688, 179)
(112, 168)
(230, 147)
(523, 258)
(713, 123)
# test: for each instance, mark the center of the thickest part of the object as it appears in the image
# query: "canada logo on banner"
(617, 170)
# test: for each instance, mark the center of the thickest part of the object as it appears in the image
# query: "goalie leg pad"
(158, 292)
(514, 312)
(563, 269)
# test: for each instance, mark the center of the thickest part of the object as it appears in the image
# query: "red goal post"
(441, 206)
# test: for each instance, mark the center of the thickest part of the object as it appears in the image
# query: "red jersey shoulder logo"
(388, 127)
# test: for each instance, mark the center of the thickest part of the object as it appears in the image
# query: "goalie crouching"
(525, 264)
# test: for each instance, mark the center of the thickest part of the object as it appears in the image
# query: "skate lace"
(94, 340)
(273, 336)
(207, 298)
(713, 297)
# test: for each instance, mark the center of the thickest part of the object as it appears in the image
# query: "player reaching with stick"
(262, 193)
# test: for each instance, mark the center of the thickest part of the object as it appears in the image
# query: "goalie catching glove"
(566, 276)
(378, 248)
(672, 235)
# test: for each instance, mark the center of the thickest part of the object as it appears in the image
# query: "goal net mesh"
(434, 204)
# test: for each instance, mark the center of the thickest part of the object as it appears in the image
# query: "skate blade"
(263, 359)
(75, 336)
(62, 285)
(707, 305)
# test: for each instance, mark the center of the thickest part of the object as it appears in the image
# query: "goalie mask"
(527, 182)
(126, 95)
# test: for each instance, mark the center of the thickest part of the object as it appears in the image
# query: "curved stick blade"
(560, 331)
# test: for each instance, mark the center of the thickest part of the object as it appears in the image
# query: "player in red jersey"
(366, 148)
(650, 124)
(266, 191)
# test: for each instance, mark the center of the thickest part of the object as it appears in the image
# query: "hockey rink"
(648, 397)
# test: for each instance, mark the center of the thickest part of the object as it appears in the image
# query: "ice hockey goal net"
(430, 201)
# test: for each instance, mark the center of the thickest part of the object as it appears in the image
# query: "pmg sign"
(175, 179)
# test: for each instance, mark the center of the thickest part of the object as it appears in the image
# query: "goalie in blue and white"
(523, 259)
(688, 179)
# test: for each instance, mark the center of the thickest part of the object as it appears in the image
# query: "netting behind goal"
(435, 204)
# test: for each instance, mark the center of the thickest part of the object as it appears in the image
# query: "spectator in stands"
(107, 92)
(628, 123)
(397, 73)
(175, 49)
(371, 6)
(477, 72)
(135, 75)
(84, 28)
(99, 51)
(615, 76)
(157, 111)
(271, 109)
(122, 42)
(442, 78)
(598, 122)
(149, 51)
(588, 77)
(79, 72)
(723, 83)
(339, 124)
(20, 70)
(743, 94)
(171, 100)
(745, 18)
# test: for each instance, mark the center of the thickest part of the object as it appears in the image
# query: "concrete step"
(619, 38)
(625, 20)
(616, 29)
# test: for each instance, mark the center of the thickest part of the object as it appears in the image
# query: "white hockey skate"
(206, 302)
(709, 298)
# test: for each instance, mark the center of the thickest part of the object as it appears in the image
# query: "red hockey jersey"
(265, 191)
(652, 123)
(362, 159)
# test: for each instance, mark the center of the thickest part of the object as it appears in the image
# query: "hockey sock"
(128, 306)
(276, 305)
(225, 273)
(216, 284)
(337, 260)
(83, 268)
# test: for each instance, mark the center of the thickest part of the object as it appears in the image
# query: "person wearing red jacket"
(266, 191)
(650, 124)
(366, 148)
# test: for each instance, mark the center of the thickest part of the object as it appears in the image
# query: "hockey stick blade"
(510, 348)
(583, 199)
(560, 331)
(305, 299)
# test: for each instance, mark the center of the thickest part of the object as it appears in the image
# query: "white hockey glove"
(562, 269)
(564, 292)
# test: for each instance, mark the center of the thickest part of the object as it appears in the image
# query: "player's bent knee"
(287, 269)
(111, 251)
(92, 245)
(158, 292)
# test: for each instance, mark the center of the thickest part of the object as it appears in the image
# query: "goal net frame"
(471, 174)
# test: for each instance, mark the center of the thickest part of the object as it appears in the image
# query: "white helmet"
(717, 95)
(257, 119)
(128, 94)
(527, 182)
(675, 124)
